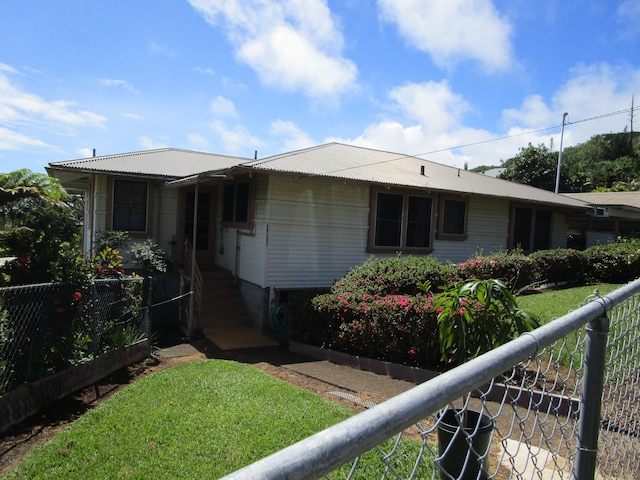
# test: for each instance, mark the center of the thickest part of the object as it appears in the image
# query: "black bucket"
(453, 446)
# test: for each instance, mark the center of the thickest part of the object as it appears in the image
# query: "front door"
(205, 224)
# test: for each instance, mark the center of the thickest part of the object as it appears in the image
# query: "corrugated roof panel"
(612, 199)
(167, 162)
(375, 166)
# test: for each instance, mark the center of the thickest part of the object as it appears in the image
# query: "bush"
(559, 266)
(514, 268)
(395, 328)
(617, 262)
(395, 276)
(384, 309)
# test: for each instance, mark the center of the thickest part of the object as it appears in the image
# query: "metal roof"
(332, 160)
(170, 163)
(387, 168)
(609, 199)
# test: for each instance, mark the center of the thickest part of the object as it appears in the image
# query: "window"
(236, 203)
(531, 229)
(129, 206)
(401, 221)
(453, 218)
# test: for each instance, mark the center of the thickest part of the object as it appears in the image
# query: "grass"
(198, 420)
(556, 303)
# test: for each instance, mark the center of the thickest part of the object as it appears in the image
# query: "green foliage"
(390, 309)
(396, 275)
(559, 265)
(114, 239)
(604, 162)
(617, 262)
(514, 268)
(477, 316)
(396, 328)
(533, 165)
(107, 263)
(162, 426)
(149, 256)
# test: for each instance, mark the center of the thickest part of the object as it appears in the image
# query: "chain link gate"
(558, 402)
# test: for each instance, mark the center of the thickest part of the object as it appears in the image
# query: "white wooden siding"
(316, 231)
(487, 231)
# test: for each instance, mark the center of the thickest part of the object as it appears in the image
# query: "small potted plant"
(473, 318)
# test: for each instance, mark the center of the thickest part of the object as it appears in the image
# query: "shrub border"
(27, 400)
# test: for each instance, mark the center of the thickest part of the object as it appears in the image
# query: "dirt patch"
(19, 440)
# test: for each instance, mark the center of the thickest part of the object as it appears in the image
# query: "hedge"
(379, 311)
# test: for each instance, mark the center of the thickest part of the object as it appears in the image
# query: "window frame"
(441, 234)
(405, 193)
(533, 227)
(113, 206)
(234, 223)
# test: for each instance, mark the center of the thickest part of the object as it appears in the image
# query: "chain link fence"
(46, 328)
(559, 402)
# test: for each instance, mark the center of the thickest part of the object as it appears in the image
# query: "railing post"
(594, 370)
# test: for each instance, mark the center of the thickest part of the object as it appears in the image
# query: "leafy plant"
(149, 256)
(477, 316)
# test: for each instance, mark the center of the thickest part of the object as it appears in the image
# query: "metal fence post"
(594, 369)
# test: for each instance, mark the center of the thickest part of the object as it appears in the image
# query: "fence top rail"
(329, 449)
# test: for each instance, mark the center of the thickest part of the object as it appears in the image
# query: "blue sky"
(454, 81)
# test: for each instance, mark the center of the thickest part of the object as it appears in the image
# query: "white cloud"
(207, 71)
(436, 126)
(223, 107)
(133, 116)
(148, 143)
(628, 15)
(237, 140)
(84, 152)
(451, 31)
(292, 44)
(159, 49)
(294, 138)
(16, 105)
(25, 115)
(11, 140)
(198, 142)
(117, 83)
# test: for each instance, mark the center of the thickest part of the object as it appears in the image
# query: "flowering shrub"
(559, 265)
(396, 328)
(617, 262)
(394, 276)
(514, 268)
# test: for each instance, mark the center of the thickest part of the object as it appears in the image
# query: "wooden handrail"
(192, 270)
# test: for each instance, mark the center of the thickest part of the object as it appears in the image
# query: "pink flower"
(412, 352)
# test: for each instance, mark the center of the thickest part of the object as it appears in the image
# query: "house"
(612, 215)
(302, 219)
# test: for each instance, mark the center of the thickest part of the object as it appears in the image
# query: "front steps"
(222, 304)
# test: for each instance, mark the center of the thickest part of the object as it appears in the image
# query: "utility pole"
(564, 117)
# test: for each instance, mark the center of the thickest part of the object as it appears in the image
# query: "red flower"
(22, 260)
(77, 296)
(60, 310)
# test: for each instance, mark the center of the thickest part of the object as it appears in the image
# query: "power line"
(529, 132)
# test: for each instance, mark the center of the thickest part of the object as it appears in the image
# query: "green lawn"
(556, 303)
(197, 420)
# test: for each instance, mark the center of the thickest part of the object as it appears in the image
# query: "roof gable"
(169, 163)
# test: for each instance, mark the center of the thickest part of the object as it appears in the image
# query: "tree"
(533, 165)
(36, 219)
